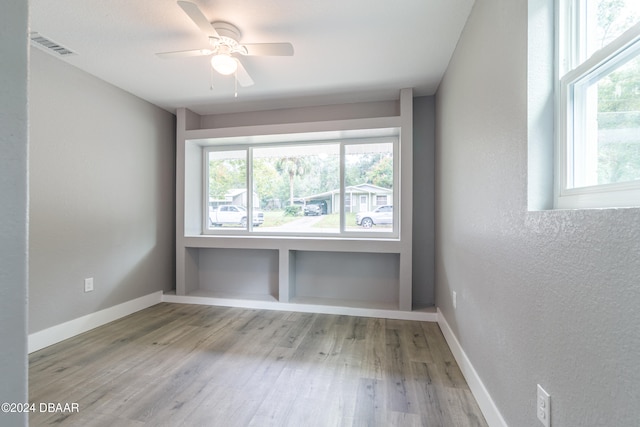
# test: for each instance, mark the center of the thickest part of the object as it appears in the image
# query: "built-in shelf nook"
(280, 271)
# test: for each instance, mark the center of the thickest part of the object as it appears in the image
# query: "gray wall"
(13, 208)
(423, 201)
(547, 297)
(102, 203)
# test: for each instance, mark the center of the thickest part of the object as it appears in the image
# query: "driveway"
(303, 223)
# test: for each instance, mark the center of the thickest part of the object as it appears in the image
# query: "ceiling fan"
(225, 50)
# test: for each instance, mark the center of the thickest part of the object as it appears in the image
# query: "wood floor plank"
(301, 325)
(375, 354)
(416, 342)
(436, 343)
(428, 397)
(189, 365)
(369, 409)
(399, 389)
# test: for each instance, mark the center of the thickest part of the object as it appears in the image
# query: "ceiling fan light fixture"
(224, 64)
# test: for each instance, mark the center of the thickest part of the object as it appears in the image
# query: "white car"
(381, 215)
(233, 215)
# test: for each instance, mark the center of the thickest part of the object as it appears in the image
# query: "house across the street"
(358, 198)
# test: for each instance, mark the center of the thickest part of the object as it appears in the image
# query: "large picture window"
(327, 188)
(599, 114)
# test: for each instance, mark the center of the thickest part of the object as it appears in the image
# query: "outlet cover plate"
(88, 284)
(543, 407)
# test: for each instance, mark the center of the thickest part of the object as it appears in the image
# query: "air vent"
(49, 45)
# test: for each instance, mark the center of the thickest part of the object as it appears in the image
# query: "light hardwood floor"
(191, 365)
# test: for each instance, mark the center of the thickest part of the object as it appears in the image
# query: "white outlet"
(88, 284)
(543, 407)
(454, 298)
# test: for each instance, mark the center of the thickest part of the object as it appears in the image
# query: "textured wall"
(13, 208)
(102, 199)
(547, 297)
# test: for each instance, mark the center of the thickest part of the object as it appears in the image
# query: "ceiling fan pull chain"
(210, 78)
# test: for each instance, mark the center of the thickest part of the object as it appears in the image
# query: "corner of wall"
(485, 402)
(14, 207)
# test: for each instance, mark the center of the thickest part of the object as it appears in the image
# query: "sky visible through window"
(608, 19)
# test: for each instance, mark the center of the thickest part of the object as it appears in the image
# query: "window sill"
(342, 244)
(624, 195)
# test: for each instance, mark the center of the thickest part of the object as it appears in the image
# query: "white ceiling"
(345, 50)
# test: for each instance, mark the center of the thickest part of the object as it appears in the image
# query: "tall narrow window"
(599, 115)
(368, 179)
(227, 189)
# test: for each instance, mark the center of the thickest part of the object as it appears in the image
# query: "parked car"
(381, 215)
(312, 209)
(233, 215)
(321, 204)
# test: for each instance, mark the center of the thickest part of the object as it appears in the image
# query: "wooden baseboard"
(46, 337)
(486, 403)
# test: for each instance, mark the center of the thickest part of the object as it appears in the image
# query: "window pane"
(607, 120)
(368, 195)
(608, 19)
(298, 188)
(228, 189)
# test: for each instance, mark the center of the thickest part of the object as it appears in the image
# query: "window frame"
(573, 68)
(343, 233)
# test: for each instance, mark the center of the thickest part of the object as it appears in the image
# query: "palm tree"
(292, 166)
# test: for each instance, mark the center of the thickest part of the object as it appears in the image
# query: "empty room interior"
(324, 213)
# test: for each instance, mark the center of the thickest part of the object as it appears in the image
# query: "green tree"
(381, 173)
(291, 167)
(226, 174)
(618, 103)
(322, 174)
(609, 17)
(266, 179)
(358, 165)
(620, 90)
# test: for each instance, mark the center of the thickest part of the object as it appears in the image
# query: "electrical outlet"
(88, 284)
(543, 407)
(454, 298)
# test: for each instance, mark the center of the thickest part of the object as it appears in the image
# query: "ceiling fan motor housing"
(229, 40)
(227, 30)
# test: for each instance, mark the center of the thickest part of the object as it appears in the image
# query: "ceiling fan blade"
(196, 15)
(243, 77)
(268, 49)
(184, 53)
